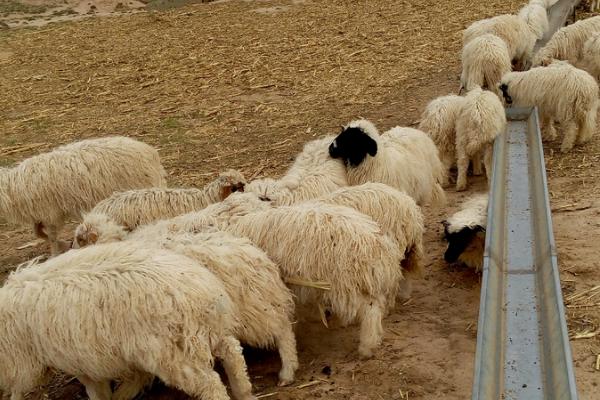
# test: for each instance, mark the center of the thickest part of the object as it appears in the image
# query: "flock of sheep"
(161, 281)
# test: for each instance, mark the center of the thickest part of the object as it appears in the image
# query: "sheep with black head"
(465, 233)
(404, 158)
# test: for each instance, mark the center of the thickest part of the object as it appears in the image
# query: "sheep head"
(97, 228)
(468, 240)
(353, 145)
(504, 89)
(229, 182)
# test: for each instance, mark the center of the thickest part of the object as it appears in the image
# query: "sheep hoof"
(461, 188)
(365, 354)
(565, 149)
(285, 382)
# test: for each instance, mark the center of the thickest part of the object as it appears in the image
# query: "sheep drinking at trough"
(46, 190)
(122, 310)
(141, 207)
(485, 59)
(404, 158)
(465, 233)
(563, 93)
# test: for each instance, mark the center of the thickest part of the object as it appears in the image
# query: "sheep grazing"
(465, 233)
(512, 29)
(567, 43)
(124, 310)
(485, 59)
(563, 93)
(590, 61)
(396, 213)
(264, 304)
(404, 158)
(140, 207)
(312, 174)
(319, 242)
(481, 120)
(535, 15)
(46, 190)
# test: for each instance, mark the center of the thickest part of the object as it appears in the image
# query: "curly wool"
(265, 307)
(567, 43)
(512, 29)
(395, 212)
(123, 309)
(590, 60)
(48, 189)
(140, 207)
(563, 93)
(407, 159)
(485, 59)
(482, 118)
(438, 120)
(312, 174)
(535, 15)
(314, 241)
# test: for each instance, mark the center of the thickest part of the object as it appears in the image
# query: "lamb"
(438, 120)
(312, 174)
(482, 118)
(567, 43)
(396, 213)
(590, 61)
(140, 207)
(485, 59)
(320, 242)
(563, 93)
(512, 29)
(465, 233)
(123, 309)
(535, 15)
(404, 158)
(46, 190)
(264, 304)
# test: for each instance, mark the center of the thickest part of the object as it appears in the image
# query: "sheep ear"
(371, 147)
(92, 237)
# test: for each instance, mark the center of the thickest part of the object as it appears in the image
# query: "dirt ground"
(244, 84)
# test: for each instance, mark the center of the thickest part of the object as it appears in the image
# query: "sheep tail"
(589, 122)
(438, 196)
(412, 265)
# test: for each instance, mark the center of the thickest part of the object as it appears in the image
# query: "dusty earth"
(244, 84)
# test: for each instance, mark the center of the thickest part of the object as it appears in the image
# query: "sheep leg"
(371, 329)
(286, 344)
(129, 388)
(16, 395)
(462, 165)
(477, 167)
(229, 351)
(487, 162)
(51, 235)
(549, 129)
(570, 136)
(405, 289)
(447, 162)
(96, 390)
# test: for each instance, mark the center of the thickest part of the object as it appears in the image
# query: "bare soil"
(244, 84)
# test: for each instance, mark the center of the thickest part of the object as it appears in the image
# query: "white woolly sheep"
(404, 158)
(396, 213)
(438, 120)
(567, 43)
(45, 190)
(312, 174)
(485, 59)
(482, 118)
(122, 309)
(535, 15)
(563, 93)
(465, 233)
(590, 60)
(319, 242)
(140, 207)
(514, 30)
(264, 304)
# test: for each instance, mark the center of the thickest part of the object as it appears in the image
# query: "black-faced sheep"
(465, 233)
(404, 158)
